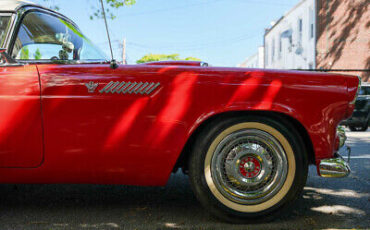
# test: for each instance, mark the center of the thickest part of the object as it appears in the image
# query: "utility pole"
(124, 59)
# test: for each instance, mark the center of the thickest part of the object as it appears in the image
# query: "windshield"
(4, 22)
(46, 37)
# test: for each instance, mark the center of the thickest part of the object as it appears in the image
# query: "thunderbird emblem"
(91, 86)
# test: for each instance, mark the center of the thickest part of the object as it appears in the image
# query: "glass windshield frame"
(21, 16)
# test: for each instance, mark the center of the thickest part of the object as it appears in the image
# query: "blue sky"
(221, 32)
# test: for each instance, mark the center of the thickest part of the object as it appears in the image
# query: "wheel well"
(182, 161)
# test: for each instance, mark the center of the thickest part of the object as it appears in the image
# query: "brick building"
(343, 35)
(321, 34)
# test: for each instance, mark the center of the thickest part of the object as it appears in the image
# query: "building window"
(300, 30)
(280, 46)
(266, 53)
(311, 26)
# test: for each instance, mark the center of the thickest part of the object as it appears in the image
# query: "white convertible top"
(12, 5)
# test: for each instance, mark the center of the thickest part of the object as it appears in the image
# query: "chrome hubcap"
(249, 166)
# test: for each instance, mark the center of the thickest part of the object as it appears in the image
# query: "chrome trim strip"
(130, 87)
(152, 89)
(135, 88)
(147, 88)
(124, 87)
(118, 87)
(106, 88)
(113, 88)
(142, 88)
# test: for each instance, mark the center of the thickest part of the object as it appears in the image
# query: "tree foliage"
(52, 6)
(164, 57)
(37, 54)
(25, 53)
(109, 4)
(112, 4)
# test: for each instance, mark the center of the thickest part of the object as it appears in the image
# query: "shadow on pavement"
(326, 204)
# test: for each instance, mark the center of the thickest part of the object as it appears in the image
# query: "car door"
(21, 131)
(103, 125)
(86, 120)
(89, 124)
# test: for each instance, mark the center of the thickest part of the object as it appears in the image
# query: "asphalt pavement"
(326, 203)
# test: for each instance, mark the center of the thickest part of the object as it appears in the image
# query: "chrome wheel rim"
(249, 166)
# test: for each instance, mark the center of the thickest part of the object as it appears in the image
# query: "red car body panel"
(21, 133)
(136, 139)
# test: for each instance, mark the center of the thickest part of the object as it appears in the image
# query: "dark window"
(280, 46)
(311, 30)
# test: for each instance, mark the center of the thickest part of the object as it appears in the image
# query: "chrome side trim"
(118, 87)
(141, 89)
(334, 167)
(106, 88)
(128, 90)
(136, 87)
(124, 87)
(149, 91)
(130, 87)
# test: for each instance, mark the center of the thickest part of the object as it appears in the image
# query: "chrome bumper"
(335, 167)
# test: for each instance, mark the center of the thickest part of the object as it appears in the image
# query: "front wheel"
(248, 169)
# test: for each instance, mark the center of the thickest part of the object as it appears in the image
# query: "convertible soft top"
(13, 5)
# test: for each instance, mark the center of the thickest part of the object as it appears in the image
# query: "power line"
(257, 2)
(171, 8)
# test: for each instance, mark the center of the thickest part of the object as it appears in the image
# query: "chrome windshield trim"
(65, 62)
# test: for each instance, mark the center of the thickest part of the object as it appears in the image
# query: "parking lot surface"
(326, 203)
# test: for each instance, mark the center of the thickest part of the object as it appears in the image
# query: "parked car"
(244, 136)
(360, 119)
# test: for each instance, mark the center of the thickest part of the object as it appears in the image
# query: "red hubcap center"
(249, 167)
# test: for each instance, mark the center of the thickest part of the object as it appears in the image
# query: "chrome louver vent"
(130, 87)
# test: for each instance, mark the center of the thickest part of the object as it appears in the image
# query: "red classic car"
(244, 136)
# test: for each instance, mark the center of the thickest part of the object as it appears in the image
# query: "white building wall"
(290, 43)
(256, 60)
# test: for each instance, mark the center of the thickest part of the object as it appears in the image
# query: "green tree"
(110, 4)
(25, 53)
(37, 54)
(192, 59)
(164, 57)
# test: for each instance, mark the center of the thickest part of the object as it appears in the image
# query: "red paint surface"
(137, 139)
(253, 173)
(20, 117)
